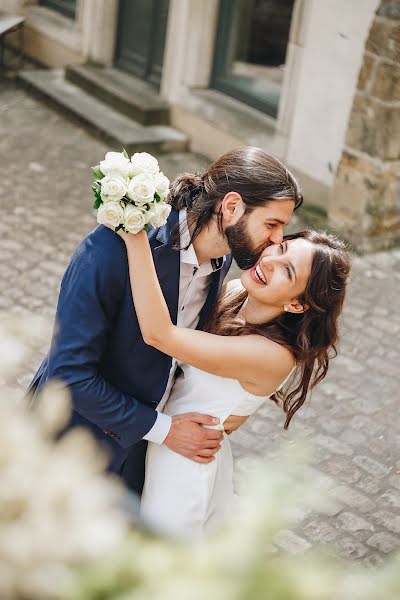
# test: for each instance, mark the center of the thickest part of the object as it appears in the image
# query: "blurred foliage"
(64, 534)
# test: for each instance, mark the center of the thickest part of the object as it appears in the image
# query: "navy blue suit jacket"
(97, 349)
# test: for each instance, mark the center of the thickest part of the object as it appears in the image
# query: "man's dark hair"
(256, 175)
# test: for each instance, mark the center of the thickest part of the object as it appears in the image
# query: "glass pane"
(251, 50)
(66, 7)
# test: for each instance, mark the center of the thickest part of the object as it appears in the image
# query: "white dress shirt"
(194, 284)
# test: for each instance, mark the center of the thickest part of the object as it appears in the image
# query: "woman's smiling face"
(281, 274)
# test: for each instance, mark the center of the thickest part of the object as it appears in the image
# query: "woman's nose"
(267, 262)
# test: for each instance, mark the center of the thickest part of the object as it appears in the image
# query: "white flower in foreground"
(110, 213)
(158, 214)
(141, 189)
(162, 185)
(134, 219)
(115, 163)
(142, 162)
(57, 508)
(113, 188)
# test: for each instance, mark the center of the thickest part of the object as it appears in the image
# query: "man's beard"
(240, 244)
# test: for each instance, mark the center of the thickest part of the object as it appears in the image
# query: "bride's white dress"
(182, 497)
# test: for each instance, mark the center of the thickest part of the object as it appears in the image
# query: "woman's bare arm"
(249, 358)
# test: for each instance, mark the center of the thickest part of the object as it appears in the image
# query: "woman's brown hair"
(256, 175)
(311, 336)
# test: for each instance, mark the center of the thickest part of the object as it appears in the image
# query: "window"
(251, 45)
(66, 7)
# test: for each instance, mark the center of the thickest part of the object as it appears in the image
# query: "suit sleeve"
(91, 292)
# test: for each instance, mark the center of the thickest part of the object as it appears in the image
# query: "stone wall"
(365, 202)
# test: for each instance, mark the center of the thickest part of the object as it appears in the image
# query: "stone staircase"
(123, 111)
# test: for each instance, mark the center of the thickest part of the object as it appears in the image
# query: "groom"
(118, 383)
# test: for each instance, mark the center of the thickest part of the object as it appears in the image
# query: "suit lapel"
(217, 279)
(167, 262)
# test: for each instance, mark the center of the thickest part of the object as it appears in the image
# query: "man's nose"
(277, 236)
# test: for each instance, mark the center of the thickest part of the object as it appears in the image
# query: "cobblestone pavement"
(353, 416)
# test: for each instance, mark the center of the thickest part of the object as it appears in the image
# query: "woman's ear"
(296, 307)
(232, 207)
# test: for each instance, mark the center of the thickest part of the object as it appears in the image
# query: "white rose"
(162, 185)
(158, 214)
(142, 162)
(134, 218)
(115, 163)
(113, 188)
(141, 189)
(110, 213)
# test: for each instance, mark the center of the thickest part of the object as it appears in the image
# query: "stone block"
(384, 542)
(388, 520)
(343, 470)
(384, 39)
(319, 531)
(389, 9)
(386, 84)
(351, 522)
(370, 485)
(391, 498)
(349, 549)
(353, 498)
(374, 128)
(365, 202)
(291, 542)
(332, 445)
(372, 466)
(365, 72)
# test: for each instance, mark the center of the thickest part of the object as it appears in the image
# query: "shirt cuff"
(160, 429)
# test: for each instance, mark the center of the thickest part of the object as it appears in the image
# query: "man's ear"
(232, 207)
(296, 307)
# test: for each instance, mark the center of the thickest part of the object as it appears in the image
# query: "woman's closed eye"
(282, 250)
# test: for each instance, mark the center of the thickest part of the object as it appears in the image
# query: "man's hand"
(189, 438)
(233, 422)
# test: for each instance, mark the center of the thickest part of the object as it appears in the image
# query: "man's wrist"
(160, 429)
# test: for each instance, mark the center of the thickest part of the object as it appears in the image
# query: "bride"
(270, 337)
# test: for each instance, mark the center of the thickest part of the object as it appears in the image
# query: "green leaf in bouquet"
(157, 197)
(124, 152)
(96, 173)
(120, 226)
(98, 200)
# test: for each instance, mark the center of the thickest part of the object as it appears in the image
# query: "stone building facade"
(365, 203)
(323, 95)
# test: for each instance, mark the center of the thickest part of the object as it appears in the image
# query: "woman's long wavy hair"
(256, 175)
(311, 336)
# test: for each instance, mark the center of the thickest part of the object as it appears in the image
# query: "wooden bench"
(9, 24)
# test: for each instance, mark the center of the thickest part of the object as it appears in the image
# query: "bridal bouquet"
(130, 193)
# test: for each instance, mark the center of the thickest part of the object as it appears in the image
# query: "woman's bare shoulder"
(273, 361)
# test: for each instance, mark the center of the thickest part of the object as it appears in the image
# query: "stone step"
(133, 97)
(99, 118)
